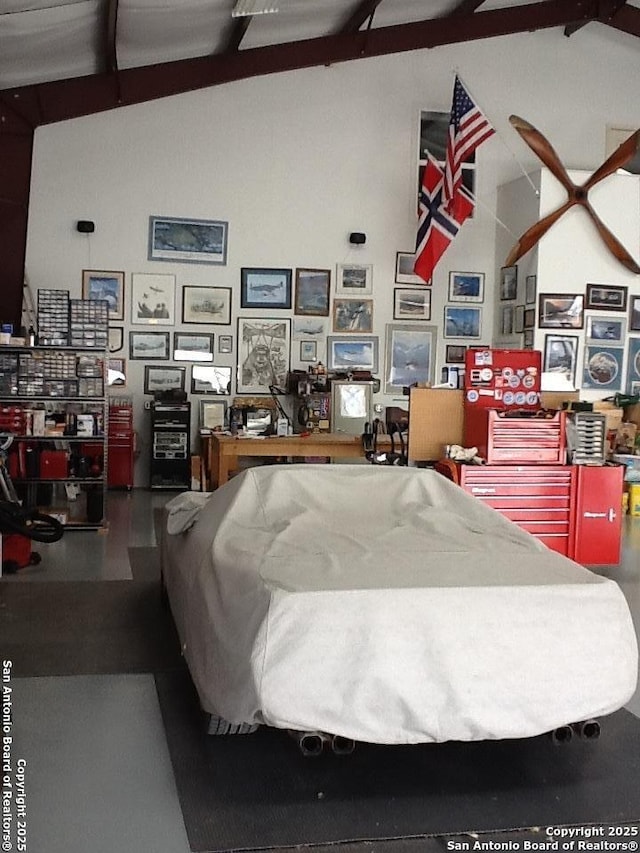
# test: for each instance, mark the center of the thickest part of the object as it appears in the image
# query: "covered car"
(384, 604)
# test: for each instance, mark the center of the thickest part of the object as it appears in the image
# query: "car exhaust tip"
(562, 734)
(587, 729)
(342, 745)
(310, 744)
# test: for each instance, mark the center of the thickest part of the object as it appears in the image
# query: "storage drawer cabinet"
(535, 497)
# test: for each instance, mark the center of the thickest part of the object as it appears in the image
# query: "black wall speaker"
(85, 226)
(358, 238)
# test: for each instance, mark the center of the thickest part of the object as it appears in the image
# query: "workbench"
(222, 452)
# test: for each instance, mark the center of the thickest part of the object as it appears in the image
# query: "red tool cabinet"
(598, 514)
(502, 436)
(120, 455)
(573, 509)
(536, 497)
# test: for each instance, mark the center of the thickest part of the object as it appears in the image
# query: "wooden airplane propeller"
(577, 194)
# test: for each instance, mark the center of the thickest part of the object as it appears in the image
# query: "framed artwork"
(560, 356)
(518, 320)
(225, 343)
(607, 297)
(209, 306)
(352, 353)
(163, 378)
(455, 353)
(560, 310)
(602, 368)
(462, 322)
(354, 280)
(153, 299)
(308, 350)
(527, 339)
(529, 318)
(116, 372)
(264, 354)
(530, 283)
(192, 347)
(508, 283)
(106, 285)
(212, 414)
(466, 287)
(634, 314)
(411, 303)
(150, 346)
(312, 292)
(404, 269)
(410, 356)
(633, 365)
(610, 329)
(209, 379)
(304, 328)
(116, 338)
(265, 288)
(353, 315)
(190, 241)
(506, 325)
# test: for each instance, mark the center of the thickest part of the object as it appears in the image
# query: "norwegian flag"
(437, 227)
(468, 129)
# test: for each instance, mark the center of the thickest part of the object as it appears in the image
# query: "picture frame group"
(355, 352)
(105, 285)
(265, 288)
(560, 311)
(264, 354)
(411, 303)
(466, 287)
(560, 356)
(410, 356)
(210, 306)
(153, 299)
(313, 288)
(163, 378)
(404, 269)
(191, 241)
(354, 280)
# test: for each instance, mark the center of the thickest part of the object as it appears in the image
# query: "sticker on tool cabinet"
(483, 356)
(508, 398)
(472, 395)
(520, 398)
(532, 398)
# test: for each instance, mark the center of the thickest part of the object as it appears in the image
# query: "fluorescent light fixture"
(244, 8)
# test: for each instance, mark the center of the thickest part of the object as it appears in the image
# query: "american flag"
(437, 226)
(468, 128)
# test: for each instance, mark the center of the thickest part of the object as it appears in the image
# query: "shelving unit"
(53, 400)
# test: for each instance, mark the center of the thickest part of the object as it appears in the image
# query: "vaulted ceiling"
(63, 58)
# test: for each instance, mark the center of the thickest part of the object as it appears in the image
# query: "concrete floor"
(66, 727)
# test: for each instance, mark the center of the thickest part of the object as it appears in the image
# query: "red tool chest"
(598, 514)
(121, 446)
(536, 497)
(505, 437)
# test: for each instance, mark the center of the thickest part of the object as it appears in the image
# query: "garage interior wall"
(295, 162)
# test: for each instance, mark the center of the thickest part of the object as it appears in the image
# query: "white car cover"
(386, 605)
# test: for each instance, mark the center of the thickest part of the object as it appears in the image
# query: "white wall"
(295, 162)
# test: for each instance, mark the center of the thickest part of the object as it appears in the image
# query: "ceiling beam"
(66, 99)
(626, 19)
(466, 7)
(608, 10)
(235, 34)
(356, 19)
